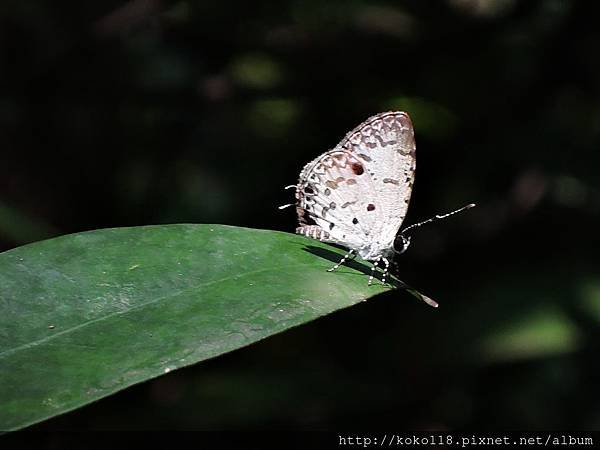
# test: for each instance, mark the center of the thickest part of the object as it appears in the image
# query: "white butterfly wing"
(334, 193)
(358, 193)
(386, 143)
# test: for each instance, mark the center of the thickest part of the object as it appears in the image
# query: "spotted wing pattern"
(357, 194)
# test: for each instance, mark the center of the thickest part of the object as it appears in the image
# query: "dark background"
(143, 112)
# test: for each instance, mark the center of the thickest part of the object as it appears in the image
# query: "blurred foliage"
(148, 111)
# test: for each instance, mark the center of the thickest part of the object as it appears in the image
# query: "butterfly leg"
(386, 270)
(373, 270)
(343, 260)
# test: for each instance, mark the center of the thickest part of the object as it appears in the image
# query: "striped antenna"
(437, 217)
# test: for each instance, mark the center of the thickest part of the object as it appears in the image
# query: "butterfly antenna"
(437, 217)
(291, 186)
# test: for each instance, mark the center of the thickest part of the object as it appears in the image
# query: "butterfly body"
(357, 194)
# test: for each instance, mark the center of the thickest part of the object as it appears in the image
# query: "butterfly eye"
(401, 243)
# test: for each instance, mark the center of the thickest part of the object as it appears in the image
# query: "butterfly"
(357, 194)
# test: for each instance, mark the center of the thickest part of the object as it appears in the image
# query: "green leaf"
(86, 315)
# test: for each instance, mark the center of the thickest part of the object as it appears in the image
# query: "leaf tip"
(431, 302)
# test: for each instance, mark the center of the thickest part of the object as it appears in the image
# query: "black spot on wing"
(358, 168)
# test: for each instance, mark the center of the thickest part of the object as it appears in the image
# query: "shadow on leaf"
(360, 267)
(350, 262)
